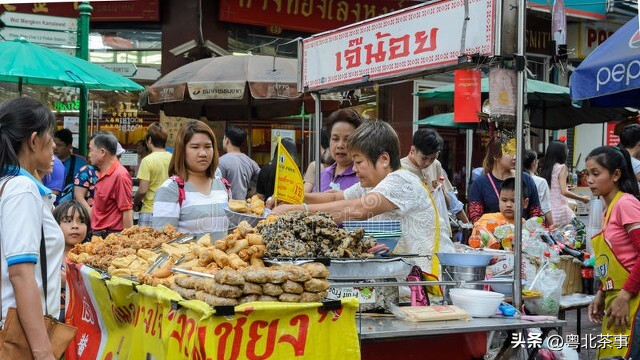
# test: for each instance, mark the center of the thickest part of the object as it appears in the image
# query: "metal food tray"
(362, 269)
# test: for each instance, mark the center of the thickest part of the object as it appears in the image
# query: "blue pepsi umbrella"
(610, 75)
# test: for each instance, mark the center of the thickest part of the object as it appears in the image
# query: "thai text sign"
(410, 40)
(116, 320)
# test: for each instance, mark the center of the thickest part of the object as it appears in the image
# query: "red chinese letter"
(299, 343)
(421, 40)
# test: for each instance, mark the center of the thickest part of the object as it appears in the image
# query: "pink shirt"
(626, 211)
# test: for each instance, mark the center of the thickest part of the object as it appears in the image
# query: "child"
(74, 220)
(507, 202)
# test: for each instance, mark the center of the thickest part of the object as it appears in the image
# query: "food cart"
(419, 40)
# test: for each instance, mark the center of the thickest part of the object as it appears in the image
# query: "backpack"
(67, 191)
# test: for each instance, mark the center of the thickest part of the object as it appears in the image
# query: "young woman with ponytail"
(617, 249)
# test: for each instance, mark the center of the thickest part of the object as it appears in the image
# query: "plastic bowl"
(236, 218)
(477, 303)
(464, 259)
(370, 226)
(505, 289)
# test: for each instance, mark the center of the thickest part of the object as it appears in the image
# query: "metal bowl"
(464, 259)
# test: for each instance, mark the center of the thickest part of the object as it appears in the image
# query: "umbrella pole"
(468, 159)
(20, 86)
(316, 137)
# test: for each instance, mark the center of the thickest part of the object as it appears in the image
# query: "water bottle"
(574, 178)
(533, 223)
(587, 275)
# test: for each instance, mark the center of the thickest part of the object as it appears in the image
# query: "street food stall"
(262, 291)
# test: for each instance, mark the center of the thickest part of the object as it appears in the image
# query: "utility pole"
(83, 53)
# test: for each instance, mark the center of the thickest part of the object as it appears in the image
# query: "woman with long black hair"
(26, 222)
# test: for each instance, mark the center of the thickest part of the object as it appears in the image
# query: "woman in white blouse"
(193, 199)
(384, 192)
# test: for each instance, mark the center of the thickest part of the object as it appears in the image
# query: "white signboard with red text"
(423, 37)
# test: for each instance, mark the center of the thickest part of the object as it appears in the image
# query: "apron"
(613, 275)
(434, 275)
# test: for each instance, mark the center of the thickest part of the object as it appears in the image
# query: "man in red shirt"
(113, 196)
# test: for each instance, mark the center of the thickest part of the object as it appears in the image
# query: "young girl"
(74, 220)
(555, 172)
(616, 248)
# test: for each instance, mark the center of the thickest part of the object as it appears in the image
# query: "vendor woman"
(383, 192)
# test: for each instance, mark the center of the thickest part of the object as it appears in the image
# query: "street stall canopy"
(228, 87)
(445, 120)
(610, 75)
(23, 62)
(549, 105)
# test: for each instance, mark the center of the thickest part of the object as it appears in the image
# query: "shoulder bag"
(13, 341)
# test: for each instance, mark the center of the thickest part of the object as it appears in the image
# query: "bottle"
(574, 178)
(587, 275)
(533, 223)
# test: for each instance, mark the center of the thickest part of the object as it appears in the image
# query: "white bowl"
(477, 303)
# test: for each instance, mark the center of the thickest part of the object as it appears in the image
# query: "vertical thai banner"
(612, 138)
(289, 183)
(502, 92)
(466, 96)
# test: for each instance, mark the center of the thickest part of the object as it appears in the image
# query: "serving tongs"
(179, 240)
(191, 272)
(160, 260)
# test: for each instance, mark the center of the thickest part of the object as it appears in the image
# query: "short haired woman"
(384, 192)
(192, 199)
(26, 145)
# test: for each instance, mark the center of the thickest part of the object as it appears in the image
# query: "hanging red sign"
(612, 138)
(466, 96)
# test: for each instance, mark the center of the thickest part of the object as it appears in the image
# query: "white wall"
(587, 137)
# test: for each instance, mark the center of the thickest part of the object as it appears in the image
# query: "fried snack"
(175, 250)
(201, 283)
(161, 273)
(245, 254)
(271, 289)
(292, 287)
(289, 298)
(311, 297)
(221, 258)
(255, 274)
(316, 285)
(256, 261)
(213, 300)
(238, 245)
(205, 240)
(257, 205)
(184, 281)
(227, 291)
(186, 293)
(123, 262)
(251, 288)
(243, 229)
(121, 272)
(316, 269)
(255, 239)
(267, 298)
(236, 262)
(221, 245)
(258, 250)
(148, 255)
(276, 276)
(239, 206)
(248, 298)
(296, 273)
(229, 277)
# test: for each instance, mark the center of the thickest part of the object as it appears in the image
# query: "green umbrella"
(445, 120)
(25, 63)
(549, 105)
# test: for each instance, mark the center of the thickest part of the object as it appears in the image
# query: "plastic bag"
(549, 283)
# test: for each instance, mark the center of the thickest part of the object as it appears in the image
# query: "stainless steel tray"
(365, 269)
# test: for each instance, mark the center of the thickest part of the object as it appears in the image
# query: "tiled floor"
(587, 328)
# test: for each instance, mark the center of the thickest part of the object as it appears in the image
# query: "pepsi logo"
(634, 42)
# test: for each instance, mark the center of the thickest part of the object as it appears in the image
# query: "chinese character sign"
(289, 185)
(466, 96)
(419, 38)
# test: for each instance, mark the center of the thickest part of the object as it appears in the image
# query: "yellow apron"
(434, 290)
(613, 276)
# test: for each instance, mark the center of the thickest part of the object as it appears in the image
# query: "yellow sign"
(118, 319)
(289, 185)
